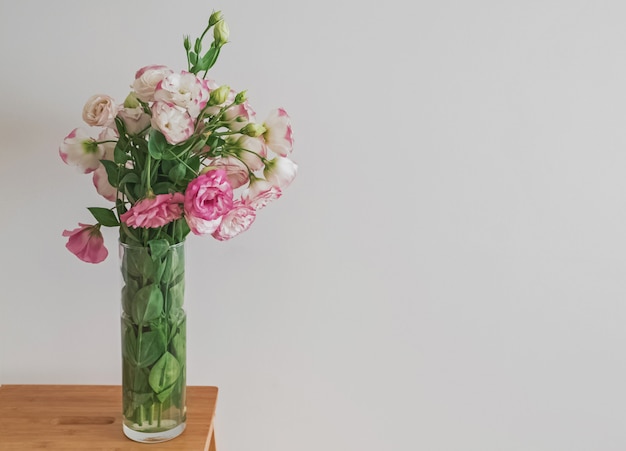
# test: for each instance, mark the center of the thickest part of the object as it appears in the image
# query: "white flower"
(238, 116)
(260, 193)
(236, 171)
(251, 151)
(101, 182)
(99, 111)
(236, 221)
(108, 138)
(184, 90)
(80, 150)
(278, 135)
(280, 172)
(135, 119)
(146, 80)
(174, 122)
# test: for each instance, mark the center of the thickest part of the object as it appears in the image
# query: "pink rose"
(80, 150)
(278, 135)
(86, 243)
(174, 122)
(154, 212)
(208, 198)
(237, 220)
(146, 80)
(260, 193)
(99, 111)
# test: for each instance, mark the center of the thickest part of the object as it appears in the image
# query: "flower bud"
(215, 18)
(219, 95)
(198, 47)
(186, 43)
(220, 33)
(253, 130)
(241, 97)
(131, 101)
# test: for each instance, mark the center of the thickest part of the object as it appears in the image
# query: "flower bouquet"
(181, 154)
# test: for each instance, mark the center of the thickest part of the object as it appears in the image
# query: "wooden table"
(88, 417)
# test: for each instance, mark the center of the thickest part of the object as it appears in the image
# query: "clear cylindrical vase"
(153, 341)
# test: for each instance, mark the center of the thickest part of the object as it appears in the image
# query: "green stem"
(148, 161)
(104, 142)
(139, 336)
(183, 162)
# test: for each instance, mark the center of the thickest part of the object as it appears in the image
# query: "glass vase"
(153, 342)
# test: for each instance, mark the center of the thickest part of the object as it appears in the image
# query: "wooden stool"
(88, 417)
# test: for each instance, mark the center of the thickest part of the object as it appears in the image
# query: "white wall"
(447, 271)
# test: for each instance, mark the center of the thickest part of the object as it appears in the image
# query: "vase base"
(154, 437)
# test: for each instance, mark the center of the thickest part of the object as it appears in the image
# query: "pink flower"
(99, 111)
(101, 182)
(86, 243)
(108, 148)
(154, 212)
(207, 199)
(80, 150)
(135, 119)
(174, 122)
(280, 172)
(146, 80)
(184, 90)
(236, 171)
(236, 221)
(260, 193)
(278, 136)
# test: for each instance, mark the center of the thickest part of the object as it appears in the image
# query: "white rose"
(99, 111)
(146, 80)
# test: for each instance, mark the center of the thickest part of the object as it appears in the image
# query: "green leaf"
(157, 144)
(174, 267)
(208, 60)
(142, 144)
(165, 393)
(193, 57)
(177, 173)
(136, 380)
(137, 263)
(104, 216)
(147, 304)
(128, 293)
(176, 295)
(153, 345)
(113, 171)
(119, 153)
(215, 142)
(179, 347)
(121, 127)
(139, 191)
(129, 340)
(164, 373)
(178, 324)
(130, 177)
(194, 164)
(163, 188)
(158, 248)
